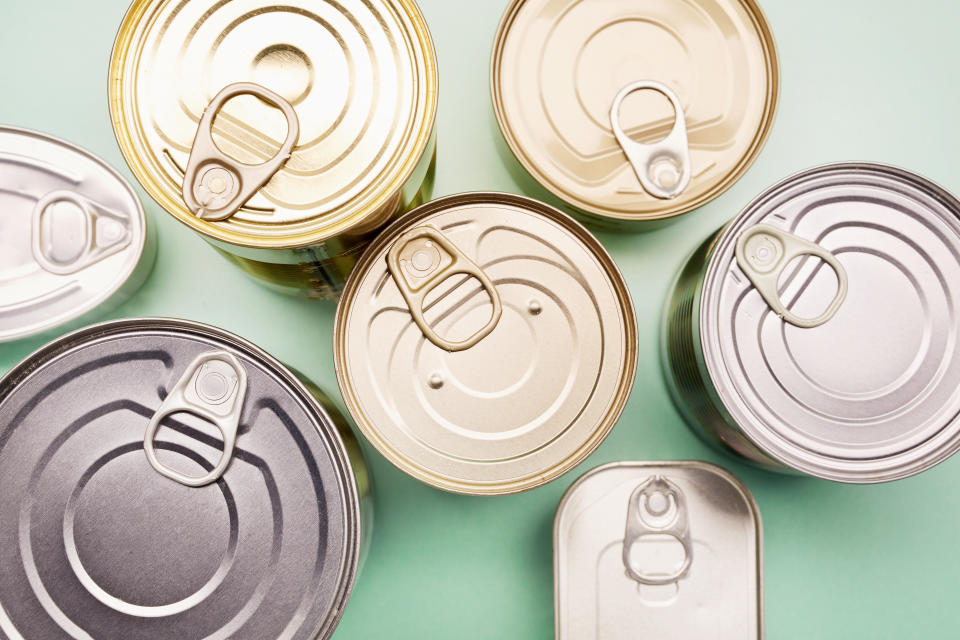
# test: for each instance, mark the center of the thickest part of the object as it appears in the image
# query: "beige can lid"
(486, 343)
(559, 66)
(360, 75)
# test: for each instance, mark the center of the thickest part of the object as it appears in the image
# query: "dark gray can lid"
(94, 543)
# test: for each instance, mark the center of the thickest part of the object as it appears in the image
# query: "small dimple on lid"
(531, 398)
(558, 65)
(872, 394)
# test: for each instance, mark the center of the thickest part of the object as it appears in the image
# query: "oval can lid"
(873, 393)
(73, 232)
(672, 548)
(558, 66)
(99, 544)
(533, 396)
(360, 75)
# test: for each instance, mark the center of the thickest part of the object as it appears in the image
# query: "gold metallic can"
(291, 181)
(573, 83)
(486, 343)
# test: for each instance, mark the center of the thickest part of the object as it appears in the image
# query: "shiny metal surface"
(100, 545)
(559, 64)
(525, 403)
(362, 78)
(73, 236)
(872, 394)
(697, 535)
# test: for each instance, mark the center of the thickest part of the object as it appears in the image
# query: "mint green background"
(861, 80)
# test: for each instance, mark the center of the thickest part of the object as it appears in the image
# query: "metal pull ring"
(212, 388)
(657, 507)
(663, 167)
(419, 261)
(215, 186)
(101, 233)
(763, 253)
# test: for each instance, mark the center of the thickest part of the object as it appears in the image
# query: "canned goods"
(658, 550)
(561, 74)
(243, 519)
(485, 344)
(73, 236)
(286, 134)
(818, 330)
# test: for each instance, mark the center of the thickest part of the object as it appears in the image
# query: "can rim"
(533, 480)
(350, 560)
(140, 241)
(772, 101)
(888, 468)
(418, 145)
(733, 480)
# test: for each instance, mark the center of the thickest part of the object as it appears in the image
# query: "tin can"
(658, 550)
(485, 344)
(563, 78)
(165, 479)
(73, 236)
(285, 134)
(817, 332)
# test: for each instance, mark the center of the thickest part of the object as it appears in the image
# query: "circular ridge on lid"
(873, 394)
(558, 64)
(103, 545)
(362, 77)
(530, 400)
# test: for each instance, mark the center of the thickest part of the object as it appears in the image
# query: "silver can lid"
(100, 544)
(486, 343)
(71, 234)
(658, 550)
(828, 320)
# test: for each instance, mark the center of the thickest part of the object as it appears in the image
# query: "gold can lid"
(361, 76)
(559, 66)
(485, 343)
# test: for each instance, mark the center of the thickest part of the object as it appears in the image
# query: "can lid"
(561, 68)
(73, 232)
(100, 543)
(356, 80)
(486, 343)
(672, 548)
(870, 390)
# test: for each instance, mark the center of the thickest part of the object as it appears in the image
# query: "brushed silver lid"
(658, 550)
(872, 391)
(71, 234)
(522, 358)
(98, 544)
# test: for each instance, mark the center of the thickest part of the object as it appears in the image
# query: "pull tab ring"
(763, 253)
(215, 186)
(419, 261)
(657, 507)
(105, 233)
(212, 388)
(663, 167)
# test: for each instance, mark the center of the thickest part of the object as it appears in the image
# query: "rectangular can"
(658, 550)
(285, 134)
(165, 478)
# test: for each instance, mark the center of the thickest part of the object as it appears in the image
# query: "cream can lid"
(521, 360)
